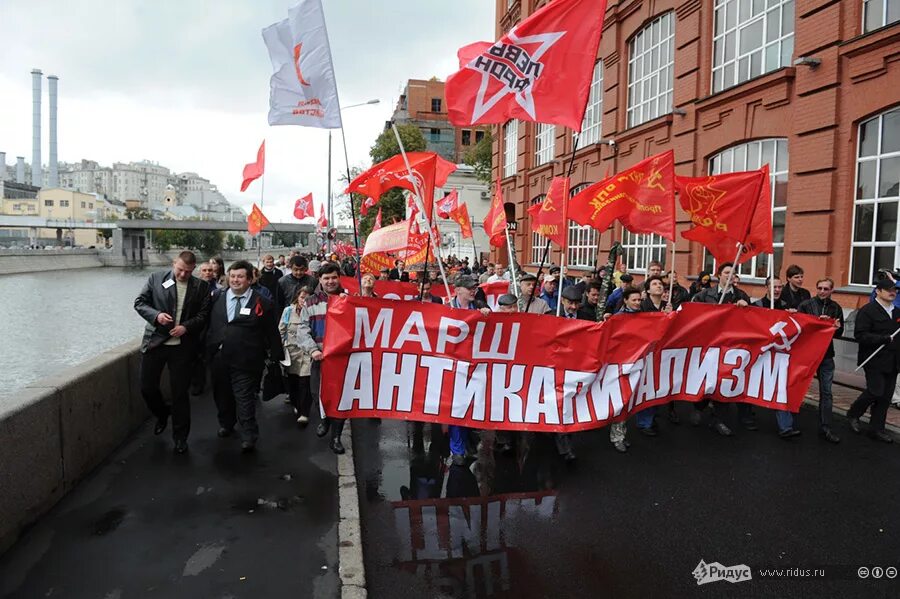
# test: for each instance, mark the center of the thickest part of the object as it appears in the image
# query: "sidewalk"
(843, 397)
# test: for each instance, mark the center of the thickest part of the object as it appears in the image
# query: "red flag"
(303, 207)
(377, 224)
(729, 209)
(256, 221)
(642, 198)
(254, 170)
(322, 223)
(367, 203)
(428, 168)
(495, 221)
(547, 218)
(447, 204)
(461, 216)
(540, 71)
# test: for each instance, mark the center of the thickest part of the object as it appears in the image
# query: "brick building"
(422, 104)
(811, 87)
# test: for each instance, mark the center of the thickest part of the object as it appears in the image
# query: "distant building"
(477, 198)
(422, 104)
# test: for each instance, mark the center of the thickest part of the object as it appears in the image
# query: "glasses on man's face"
(823, 288)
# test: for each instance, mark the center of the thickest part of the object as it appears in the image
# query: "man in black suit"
(175, 305)
(398, 273)
(242, 332)
(875, 323)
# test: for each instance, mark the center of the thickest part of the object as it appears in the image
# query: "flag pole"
(512, 260)
(424, 273)
(357, 257)
(262, 193)
(577, 136)
(420, 202)
(474, 247)
(734, 266)
(564, 250)
(672, 273)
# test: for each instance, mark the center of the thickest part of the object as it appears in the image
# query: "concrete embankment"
(25, 261)
(58, 429)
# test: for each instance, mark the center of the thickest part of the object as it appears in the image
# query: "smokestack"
(2, 166)
(20, 169)
(36, 81)
(54, 167)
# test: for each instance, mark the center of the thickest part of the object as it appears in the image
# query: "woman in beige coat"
(299, 368)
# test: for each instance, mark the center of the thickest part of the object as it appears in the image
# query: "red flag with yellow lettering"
(727, 210)
(495, 221)
(642, 198)
(548, 217)
(256, 221)
(461, 216)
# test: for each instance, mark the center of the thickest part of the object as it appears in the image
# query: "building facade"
(476, 196)
(422, 104)
(810, 87)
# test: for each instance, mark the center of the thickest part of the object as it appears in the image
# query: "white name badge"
(167, 284)
(245, 311)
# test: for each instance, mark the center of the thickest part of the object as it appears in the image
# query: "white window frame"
(650, 74)
(641, 249)
(884, 13)
(544, 143)
(510, 147)
(877, 202)
(749, 155)
(593, 115)
(583, 240)
(733, 20)
(538, 241)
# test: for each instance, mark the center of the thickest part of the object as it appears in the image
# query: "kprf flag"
(495, 221)
(255, 170)
(428, 169)
(303, 207)
(447, 204)
(729, 209)
(323, 220)
(302, 89)
(377, 224)
(461, 216)
(540, 71)
(256, 221)
(642, 198)
(548, 217)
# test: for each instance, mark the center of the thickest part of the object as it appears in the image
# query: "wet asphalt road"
(633, 525)
(210, 524)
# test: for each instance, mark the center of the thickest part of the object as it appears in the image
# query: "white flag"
(302, 88)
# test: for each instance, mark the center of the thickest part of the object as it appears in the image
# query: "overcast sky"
(186, 83)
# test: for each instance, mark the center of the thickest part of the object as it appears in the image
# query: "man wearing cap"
(507, 303)
(571, 302)
(551, 291)
(463, 299)
(875, 323)
(528, 301)
(615, 298)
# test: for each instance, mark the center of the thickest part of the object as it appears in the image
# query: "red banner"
(548, 218)
(461, 216)
(256, 221)
(431, 363)
(393, 290)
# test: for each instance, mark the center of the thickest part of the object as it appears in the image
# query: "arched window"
(538, 241)
(582, 240)
(651, 70)
(751, 37)
(875, 228)
(641, 249)
(593, 114)
(510, 147)
(543, 143)
(751, 156)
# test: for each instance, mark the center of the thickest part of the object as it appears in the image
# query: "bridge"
(37, 222)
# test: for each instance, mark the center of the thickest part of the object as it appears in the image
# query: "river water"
(53, 320)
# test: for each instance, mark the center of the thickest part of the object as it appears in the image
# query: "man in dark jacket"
(875, 323)
(825, 308)
(399, 273)
(242, 333)
(175, 305)
(269, 275)
(794, 294)
(292, 281)
(765, 302)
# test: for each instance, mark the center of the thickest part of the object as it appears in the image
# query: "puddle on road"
(109, 521)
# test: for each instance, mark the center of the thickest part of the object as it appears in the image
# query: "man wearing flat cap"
(507, 303)
(528, 298)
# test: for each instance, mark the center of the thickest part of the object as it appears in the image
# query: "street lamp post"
(330, 209)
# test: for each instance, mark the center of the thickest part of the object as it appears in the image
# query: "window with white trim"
(641, 249)
(510, 147)
(878, 13)
(751, 37)
(593, 114)
(582, 240)
(538, 241)
(543, 143)
(651, 70)
(747, 157)
(875, 224)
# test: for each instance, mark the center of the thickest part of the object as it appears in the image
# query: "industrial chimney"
(54, 166)
(2, 166)
(36, 178)
(20, 169)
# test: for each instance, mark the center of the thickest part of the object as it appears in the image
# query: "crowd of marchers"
(241, 328)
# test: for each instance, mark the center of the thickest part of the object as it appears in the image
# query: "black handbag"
(273, 382)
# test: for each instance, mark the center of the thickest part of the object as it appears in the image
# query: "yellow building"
(64, 204)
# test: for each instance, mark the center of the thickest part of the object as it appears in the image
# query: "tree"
(480, 156)
(235, 242)
(210, 242)
(164, 239)
(392, 203)
(290, 240)
(137, 214)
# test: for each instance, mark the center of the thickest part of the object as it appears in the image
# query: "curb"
(892, 430)
(351, 568)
